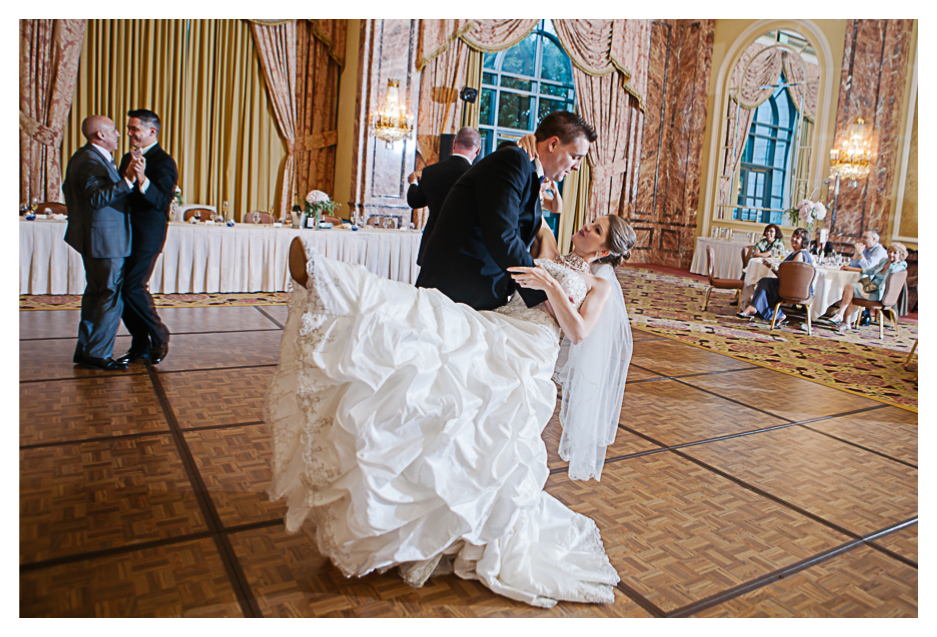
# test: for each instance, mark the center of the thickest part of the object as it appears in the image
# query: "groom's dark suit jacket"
(486, 224)
(149, 210)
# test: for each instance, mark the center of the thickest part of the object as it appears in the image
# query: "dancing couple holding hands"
(407, 421)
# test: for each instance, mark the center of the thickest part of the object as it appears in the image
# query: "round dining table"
(827, 287)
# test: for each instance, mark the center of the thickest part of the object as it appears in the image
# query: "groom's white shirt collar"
(539, 167)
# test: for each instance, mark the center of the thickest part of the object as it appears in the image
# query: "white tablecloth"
(728, 258)
(200, 258)
(827, 289)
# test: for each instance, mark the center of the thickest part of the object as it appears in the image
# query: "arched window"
(522, 84)
(766, 160)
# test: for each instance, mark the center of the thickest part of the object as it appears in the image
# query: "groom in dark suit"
(491, 216)
(434, 184)
(96, 196)
(156, 177)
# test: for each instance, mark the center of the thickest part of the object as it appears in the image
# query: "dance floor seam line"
(733, 400)
(640, 600)
(791, 569)
(267, 314)
(229, 560)
(864, 448)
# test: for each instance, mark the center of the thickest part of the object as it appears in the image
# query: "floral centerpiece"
(317, 203)
(808, 212)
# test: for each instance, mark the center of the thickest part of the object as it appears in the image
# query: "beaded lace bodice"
(569, 279)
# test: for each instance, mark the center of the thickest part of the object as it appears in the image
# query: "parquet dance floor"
(731, 490)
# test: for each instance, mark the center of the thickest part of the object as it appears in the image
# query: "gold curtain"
(204, 79)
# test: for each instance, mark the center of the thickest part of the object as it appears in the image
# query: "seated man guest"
(772, 240)
(766, 291)
(868, 252)
(872, 285)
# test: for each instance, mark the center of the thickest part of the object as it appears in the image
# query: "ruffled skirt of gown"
(406, 428)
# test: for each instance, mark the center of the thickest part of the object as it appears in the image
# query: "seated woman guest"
(872, 285)
(766, 292)
(772, 239)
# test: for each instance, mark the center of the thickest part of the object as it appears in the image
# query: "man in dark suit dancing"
(490, 217)
(156, 176)
(436, 181)
(96, 196)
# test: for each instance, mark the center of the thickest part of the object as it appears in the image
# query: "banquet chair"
(910, 354)
(720, 284)
(379, 221)
(259, 216)
(796, 279)
(747, 252)
(204, 214)
(297, 261)
(893, 284)
(52, 207)
(335, 221)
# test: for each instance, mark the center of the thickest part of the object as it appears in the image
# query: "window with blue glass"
(766, 160)
(522, 84)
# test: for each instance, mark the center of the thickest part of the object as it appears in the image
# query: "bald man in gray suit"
(96, 196)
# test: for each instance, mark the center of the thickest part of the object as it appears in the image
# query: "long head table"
(827, 288)
(199, 258)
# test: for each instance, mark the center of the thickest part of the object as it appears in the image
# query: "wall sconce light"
(391, 122)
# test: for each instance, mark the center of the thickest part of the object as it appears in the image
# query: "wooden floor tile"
(891, 431)
(678, 533)
(84, 497)
(278, 312)
(859, 583)
(211, 351)
(51, 359)
(639, 373)
(74, 409)
(903, 542)
(853, 488)
(670, 358)
(289, 578)
(188, 320)
(673, 413)
(625, 443)
(235, 466)
(177, 580)
(786, 396)
(205, 398)
(53, 324)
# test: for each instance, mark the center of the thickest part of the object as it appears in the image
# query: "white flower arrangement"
(808, 211)
(317, 203)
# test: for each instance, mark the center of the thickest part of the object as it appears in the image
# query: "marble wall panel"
(875, 68)
(667, 195)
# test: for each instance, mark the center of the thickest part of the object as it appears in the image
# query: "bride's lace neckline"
(572, 261)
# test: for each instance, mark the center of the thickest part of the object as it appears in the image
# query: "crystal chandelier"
(391, 122)
(854, 160)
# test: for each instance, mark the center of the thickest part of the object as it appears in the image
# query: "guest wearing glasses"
(772, 240)
(872, 285)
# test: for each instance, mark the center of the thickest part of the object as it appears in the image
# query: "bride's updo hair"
(621, 238)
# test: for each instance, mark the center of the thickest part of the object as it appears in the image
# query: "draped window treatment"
(205, 81)
(276, 47)
(49, 52)
(761, 66)
(610, 61)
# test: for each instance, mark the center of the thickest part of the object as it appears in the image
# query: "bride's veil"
(592, 378)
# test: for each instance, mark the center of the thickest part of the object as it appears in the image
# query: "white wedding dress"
(406, 429)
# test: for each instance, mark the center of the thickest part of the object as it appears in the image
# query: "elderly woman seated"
(872, 285)
(772, 239)
(766, 296)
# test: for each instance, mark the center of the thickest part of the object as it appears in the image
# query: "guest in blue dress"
(766, 296)
(872, 285)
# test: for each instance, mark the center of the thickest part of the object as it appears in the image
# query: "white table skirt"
(827, 289)
(200, 258)
(728, 258)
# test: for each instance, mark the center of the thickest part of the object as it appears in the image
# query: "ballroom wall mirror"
(768, 129)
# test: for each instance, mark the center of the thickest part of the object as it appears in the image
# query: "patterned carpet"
(670, 305)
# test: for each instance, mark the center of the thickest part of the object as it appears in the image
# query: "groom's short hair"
(565, 125)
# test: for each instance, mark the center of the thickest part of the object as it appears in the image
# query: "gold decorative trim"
(426, 59)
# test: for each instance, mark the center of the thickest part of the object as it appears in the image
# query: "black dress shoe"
(107, 364)
(158, 352)
(134, 354)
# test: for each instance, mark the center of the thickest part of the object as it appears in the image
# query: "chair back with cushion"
(747, 255)
(894, 282)
(710, 263)
(795, 280)
(204, 214)
(259, 216)
(335, 221)
(52, 208)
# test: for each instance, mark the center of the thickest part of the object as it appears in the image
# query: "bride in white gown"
(407, 427)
